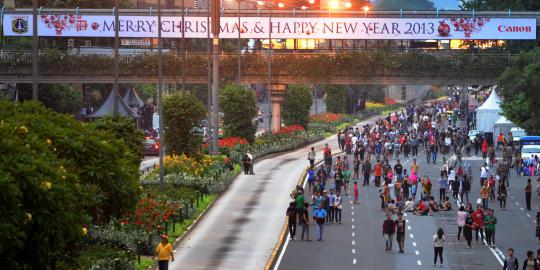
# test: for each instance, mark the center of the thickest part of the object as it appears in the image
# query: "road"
(241, 230)
(358, 242)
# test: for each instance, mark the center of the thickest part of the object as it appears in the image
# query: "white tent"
(502, 125)
(108, 107)
(488, 113)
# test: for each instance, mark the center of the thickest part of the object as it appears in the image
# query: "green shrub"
(239, 107)
(296, 106)
(124, 128)
(182, 118)
(335, 99)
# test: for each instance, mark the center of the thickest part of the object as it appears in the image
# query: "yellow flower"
(49, 141)
(46, 185)
(28, 216)
(84, 231)
(22, 129)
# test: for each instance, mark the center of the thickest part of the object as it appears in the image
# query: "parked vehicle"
(151, 146)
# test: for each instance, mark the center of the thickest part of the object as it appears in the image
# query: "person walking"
(389, 228)
(443, 183)
(291, 214)
(468, 228)
(478, 219)
(510, 262)
(355, 190)
(338, 207)
(438, 242)
(366, 170)
(502, 194)
(164, 253)
(400, 232)
(319, 216)
(304, 221)
(461, 217)
(530, 263)
(311, 156)
(490, 221)
(528, 190)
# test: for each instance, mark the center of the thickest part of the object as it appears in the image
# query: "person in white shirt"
(484, 173)
(438, 243)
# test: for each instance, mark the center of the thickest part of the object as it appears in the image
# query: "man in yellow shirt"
(164, 252)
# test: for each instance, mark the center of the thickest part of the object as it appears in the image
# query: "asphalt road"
(358, 243)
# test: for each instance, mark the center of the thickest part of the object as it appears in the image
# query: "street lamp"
(366, 9)
(347, 5)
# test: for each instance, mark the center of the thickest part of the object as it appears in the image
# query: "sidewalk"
(243, 227)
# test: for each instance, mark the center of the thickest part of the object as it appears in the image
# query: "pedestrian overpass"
(360, 65)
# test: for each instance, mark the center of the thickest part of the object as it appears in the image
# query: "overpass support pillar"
(277, 95)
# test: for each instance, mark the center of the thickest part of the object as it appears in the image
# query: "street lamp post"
(209, 74)
(239, 75)
(35, 55)
(184, 51)
(215, 75)
(269, 87)
(160, 100)
(116, 56)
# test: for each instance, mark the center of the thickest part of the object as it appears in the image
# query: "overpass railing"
(319, 66)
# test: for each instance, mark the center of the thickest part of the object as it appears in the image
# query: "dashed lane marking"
(417, 253)
(409, 228)
(353, 251)
(522, 209)
(353, 220)
(419, 262)
(352, 234)
(354, 261)
(414, 244)
(411, 235)
(516, 203)
(353, 242)
(528, 215)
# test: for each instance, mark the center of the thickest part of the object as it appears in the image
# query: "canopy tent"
(488, 113)
(132, 98)
(108, 107)
(502, 125)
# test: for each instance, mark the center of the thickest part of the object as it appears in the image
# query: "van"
(517, 133)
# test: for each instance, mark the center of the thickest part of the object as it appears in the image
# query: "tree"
(404, 4)
(55, 174)
(61, 98)
(182, 116)
(239, 107)
(335, 98)
(124, 128)
(296, 106)
(500, 5)
(519, 84)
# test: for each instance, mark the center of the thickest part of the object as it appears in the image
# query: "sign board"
(281, 27)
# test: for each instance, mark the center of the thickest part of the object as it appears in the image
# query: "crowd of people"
(373, 155)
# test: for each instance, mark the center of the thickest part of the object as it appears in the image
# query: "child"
(355, 192)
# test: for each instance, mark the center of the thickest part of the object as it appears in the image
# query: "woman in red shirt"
(478, 222)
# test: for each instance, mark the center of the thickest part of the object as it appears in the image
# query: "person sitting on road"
(392, 208)
(409, 205)
(422, 209)
(433, 205)
(446, 205)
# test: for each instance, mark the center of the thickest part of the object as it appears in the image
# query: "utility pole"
(184, 50)
(215, 75)
(35, 55)
(239, 75)
(160, 100)
(116, 56)
(269, 87)
(209, 73)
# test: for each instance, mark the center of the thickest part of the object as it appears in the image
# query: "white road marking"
(353, 251)
(408, 227)
(417, 253)
(419, 262)
(516, 203)
(352, 207)
(352, 234)
(354, 261)
(411, 235)
(352, 226)
(414, 244)
(353, 220)
(528, 215)
(404, 214)
(512, 197)
(353, 243)
(352, 213)
(522, 209)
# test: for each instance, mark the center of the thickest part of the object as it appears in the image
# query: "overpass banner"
(281, 27)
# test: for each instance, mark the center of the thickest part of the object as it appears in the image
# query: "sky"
(446, 4)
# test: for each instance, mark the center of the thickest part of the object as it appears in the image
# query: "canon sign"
(514, 29)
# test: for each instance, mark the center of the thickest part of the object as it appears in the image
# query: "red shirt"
(377, 169)
(422, 206)
(478, 218)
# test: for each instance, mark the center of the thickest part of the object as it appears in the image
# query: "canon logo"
(505, 28)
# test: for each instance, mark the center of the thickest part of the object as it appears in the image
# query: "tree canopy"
(296, 106)
(519, 84)
(239, 106)
(404, 4)
(335, 98)
(182, 116)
